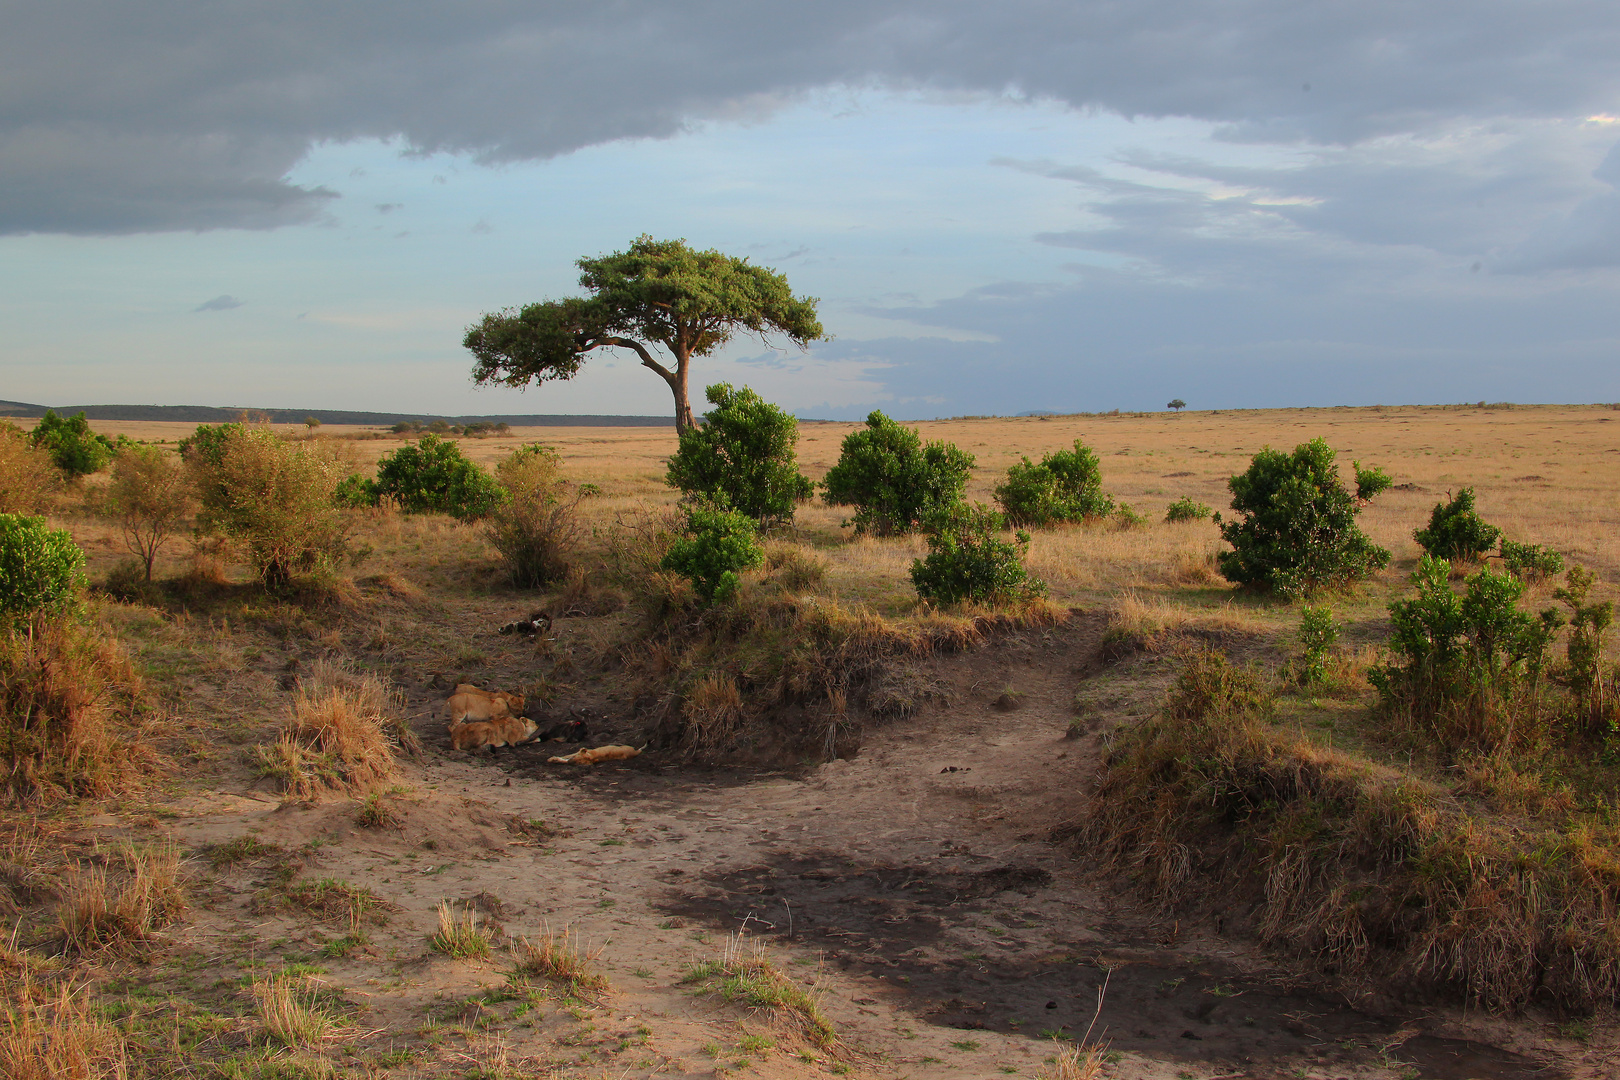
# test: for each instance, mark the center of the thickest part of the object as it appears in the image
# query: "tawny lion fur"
(589, 756)
(503, 731)
(471, 703)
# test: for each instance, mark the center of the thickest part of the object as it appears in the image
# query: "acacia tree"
(660, 293)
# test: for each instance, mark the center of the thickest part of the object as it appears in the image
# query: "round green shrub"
(1456, 533)
(718, 545)
(968, 560)
(892, 480)
(743, 452)
(432, 477)
(1065, 486)
(41, 569)
(1187, 509)
(73, 447)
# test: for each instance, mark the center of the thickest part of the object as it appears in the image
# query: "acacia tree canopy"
(660, 294)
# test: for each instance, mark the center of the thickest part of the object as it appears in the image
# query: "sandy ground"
(925, 889)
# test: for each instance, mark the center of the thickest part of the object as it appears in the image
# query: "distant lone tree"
(1177, 404)
(659, 293)
(312, 422)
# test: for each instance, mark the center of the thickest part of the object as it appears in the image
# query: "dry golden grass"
(1071, 1062)
(290, 1013)
(559, 957)
(54, 1035)
(144, 895)
(341, 735)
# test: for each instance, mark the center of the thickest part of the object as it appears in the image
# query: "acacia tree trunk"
(683, 407)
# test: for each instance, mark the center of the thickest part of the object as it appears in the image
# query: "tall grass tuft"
(342, 736)
(97, 913)
(559, 957)
(53, 1035)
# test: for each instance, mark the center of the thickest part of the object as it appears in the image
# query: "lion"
(471, 703)
(588, 756)
(503, 731)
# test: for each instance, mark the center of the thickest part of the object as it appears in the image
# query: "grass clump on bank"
(342, 736)
(749, 977)
(1367, 868)
(558, 957)
(145, 894)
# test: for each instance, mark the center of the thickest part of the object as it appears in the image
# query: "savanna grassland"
(1111, 832)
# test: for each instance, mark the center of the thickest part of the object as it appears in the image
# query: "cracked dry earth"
(916, 888)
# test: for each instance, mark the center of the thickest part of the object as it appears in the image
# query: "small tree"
(73, 447)
(536, 524)
(892, 479)
(1298, 534)
(273, 497)
(1530, 562)
(660, 293)
(1588, 626)
(1455, 531)
(432, 477)
(743, 452)
(41, 569)
(968, 561)
(1065, 486)
(311, 423)
(27, 474)
(149, 497)
(1176, 404)
(718, 545)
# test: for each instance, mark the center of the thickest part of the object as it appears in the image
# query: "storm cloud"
(172, 115)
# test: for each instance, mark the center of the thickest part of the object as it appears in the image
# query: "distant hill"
(204, 414)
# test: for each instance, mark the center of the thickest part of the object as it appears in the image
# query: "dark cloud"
(219, 303)
(183, 114)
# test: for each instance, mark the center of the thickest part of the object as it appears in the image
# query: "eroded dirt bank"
(917, 886)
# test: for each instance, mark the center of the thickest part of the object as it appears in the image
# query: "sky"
(1021, 207)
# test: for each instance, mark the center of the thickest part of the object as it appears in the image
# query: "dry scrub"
(342, 736)
(559, 957)
(145, 894)
(67, 699)
(52, 1034)
(1366, 868)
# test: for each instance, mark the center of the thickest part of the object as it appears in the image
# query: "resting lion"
(504, 731)
(589, 756)
(471, 703)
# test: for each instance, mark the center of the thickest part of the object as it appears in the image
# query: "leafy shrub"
(273, 497)
(73, 447)
(1530, 562)
(1588, 626)
(1126, 517)
(1455, 531)
(41, 569)
(27, 474)
(1298, 535)
(432, 477)
(536, 524)
(967, 560)
(149, 497)
(743, 452)
(1458, 660)
(355, 492)
(1318, 633)
(1187, 509)
(1065, 486)
(892, 479)
(718, 544)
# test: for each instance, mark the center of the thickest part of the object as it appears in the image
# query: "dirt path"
(916, 887)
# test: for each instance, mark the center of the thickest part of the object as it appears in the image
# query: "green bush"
(432, 477)
(41, 569)
(1455, 531)
(355, 492)
(892, 479)
(718, 545)
(1187, 509)
(1298, 534)
(273, 497)
(743, 451)
(1588, 626)
(1460, 660)
(73, 447)
(1318, 633)
(1065, 486)
(1530, 562)
(968, 560)
(536, 524)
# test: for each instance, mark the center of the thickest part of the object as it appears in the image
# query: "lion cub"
(502, 731)
(589, 756)
(471, 703)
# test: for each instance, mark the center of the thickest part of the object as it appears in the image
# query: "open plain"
(888, 877)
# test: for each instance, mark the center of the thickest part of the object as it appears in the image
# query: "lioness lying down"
(588, 756)
(471, 703)
(503, 731)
